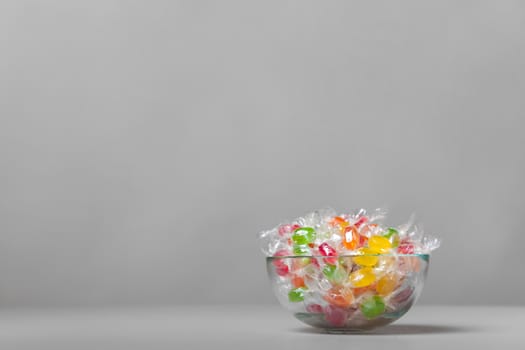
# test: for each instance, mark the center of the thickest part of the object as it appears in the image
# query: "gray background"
(143, 144)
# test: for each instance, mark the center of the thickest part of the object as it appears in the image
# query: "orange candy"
(341, 297)
(339, 221)
(351, 238)
(297, 282)
(362, 290)
(387, 284)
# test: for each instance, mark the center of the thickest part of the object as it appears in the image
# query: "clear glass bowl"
(351, 293)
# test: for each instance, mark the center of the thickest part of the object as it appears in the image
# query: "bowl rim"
(349, 255)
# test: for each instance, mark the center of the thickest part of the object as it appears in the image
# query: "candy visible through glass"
(352, 267)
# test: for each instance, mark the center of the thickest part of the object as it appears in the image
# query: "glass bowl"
(350, 293)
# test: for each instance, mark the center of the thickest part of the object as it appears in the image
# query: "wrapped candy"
(351, 265)
(324, 230)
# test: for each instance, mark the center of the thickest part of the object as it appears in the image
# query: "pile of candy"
(349, 265)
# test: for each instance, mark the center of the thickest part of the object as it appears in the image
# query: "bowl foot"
(345, 331)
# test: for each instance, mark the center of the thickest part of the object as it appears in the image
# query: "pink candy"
(360, 221)
(335, 315)
(287, 228)
(280, 266)
(314, 308)
(406, 248)
(282, 270)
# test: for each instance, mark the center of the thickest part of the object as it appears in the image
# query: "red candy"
(335, 316)
(282, 270)
(314, 308)
(360, 221)
(284, 229)
(287, 229)
(362, 240)
(326, 250)
(281, 252)
(280, 263)
(405, 248)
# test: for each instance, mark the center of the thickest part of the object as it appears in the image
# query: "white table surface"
(254, 327)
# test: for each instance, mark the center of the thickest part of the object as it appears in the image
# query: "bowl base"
(345, 331)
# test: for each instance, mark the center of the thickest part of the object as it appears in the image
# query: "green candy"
(390, 232)
(395, 241)
(300, 249)
(296, 295)
(329, 271)
(334, 274)
(303, 235)
(373, 306)
(393, 236)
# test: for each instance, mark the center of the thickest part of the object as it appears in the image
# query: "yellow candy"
(379, 244)
(386, 284)
(367, 258)
(362, 277)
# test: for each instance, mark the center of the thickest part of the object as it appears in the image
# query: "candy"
(386, 264)
(326, 250)
(314, 308)
(303, 235)
(341, 297)
(337, 266)
(393, 236)
(363, 240)
(334, 274)
(363, 290)
(350, 238)
(366, 257)
(362, 277)
(314, 262)
(286, 229)
(300, 263)
(282, 270)
(329, 270)
(405, 248)
(360, 221)
(390, 232)
(336, 316)
(296, 295)
(297, 282)
(301, 249)
(387, 284)
(339, 221)
(379, 244)
(394, 240)
(279, 262)
(372, 307)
